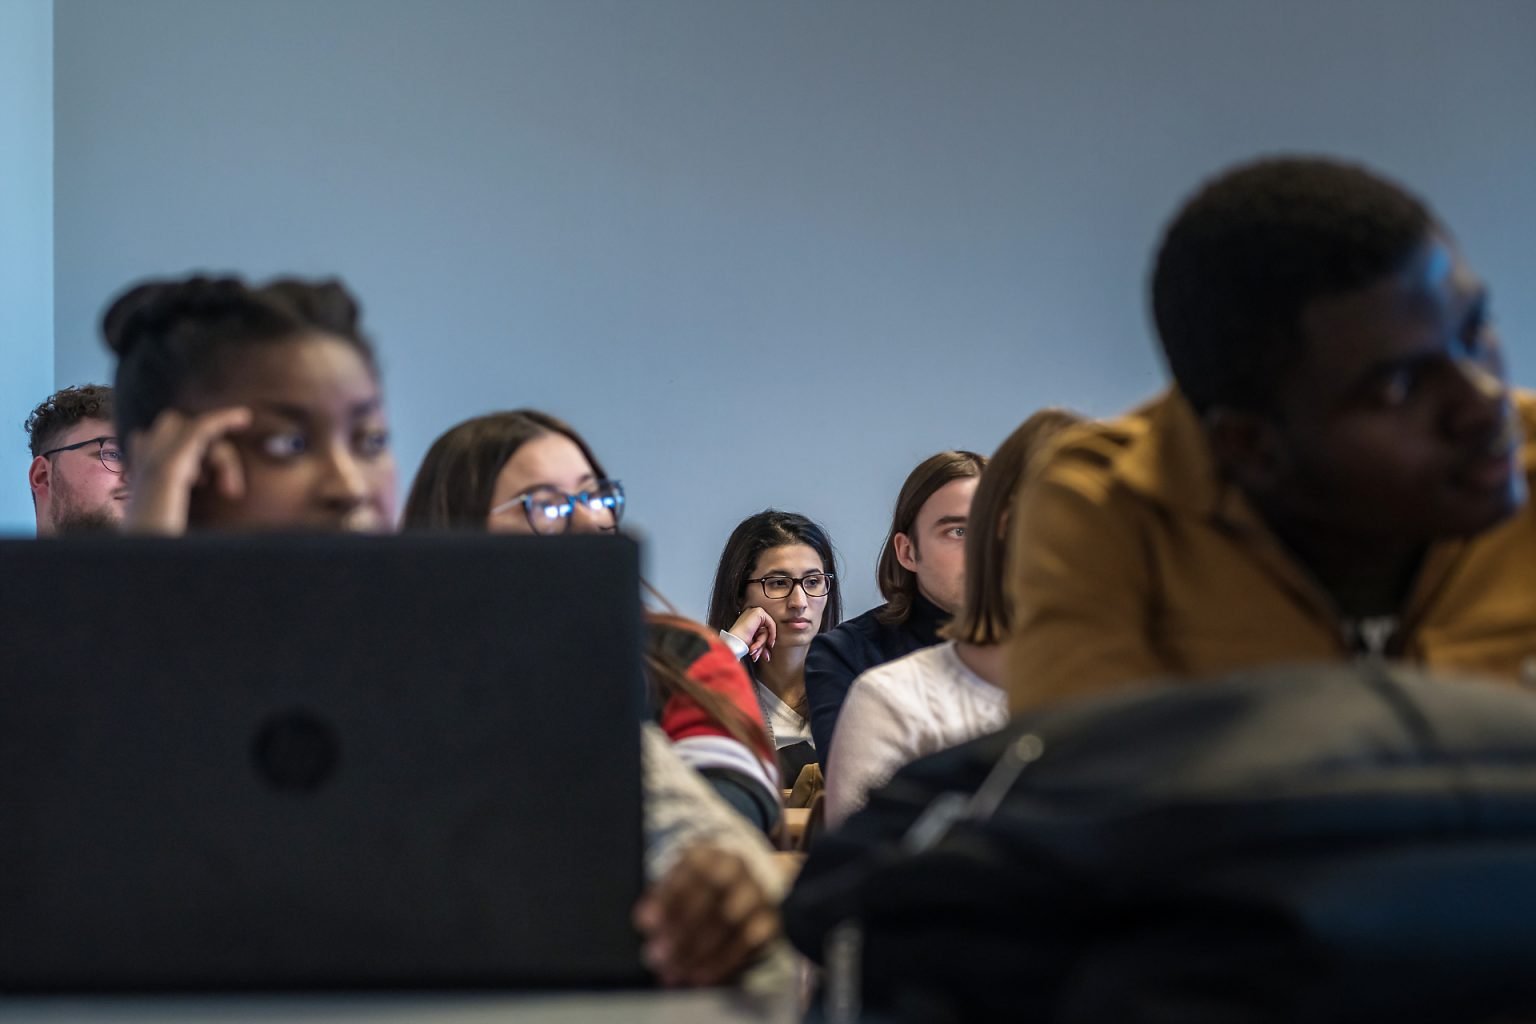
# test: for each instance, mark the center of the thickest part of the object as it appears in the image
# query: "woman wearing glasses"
(513, 472)
(527, 472)
(775, 590)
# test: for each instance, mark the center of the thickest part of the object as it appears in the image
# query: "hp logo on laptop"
(296, 752)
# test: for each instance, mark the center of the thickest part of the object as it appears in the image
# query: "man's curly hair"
(62, 410)
(1255, 246)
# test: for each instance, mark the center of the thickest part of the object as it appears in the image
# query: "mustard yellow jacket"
(1131, 560)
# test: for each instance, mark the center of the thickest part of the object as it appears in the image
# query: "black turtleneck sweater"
(838, 656)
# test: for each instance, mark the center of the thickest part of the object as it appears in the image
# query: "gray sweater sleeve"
(681, 809)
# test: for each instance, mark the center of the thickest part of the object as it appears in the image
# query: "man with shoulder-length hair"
(922, 577)
(76, 475)
(1339, 471)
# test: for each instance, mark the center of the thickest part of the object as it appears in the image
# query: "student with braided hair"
(260, 408)
(250, 408)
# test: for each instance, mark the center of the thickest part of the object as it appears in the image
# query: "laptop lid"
(294, 762)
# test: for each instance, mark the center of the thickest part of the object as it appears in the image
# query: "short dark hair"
(755, 534)
(453, 487)
(898, 584)
(175, 333)
(1252, 248)
(986, 615)
(62, 410)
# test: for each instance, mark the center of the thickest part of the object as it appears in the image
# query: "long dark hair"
(897, 583)
(177, 333)
(754, 535)
(985, 617)
(457, 478)
(452, 491)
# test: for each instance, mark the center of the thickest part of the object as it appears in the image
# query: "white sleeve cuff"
(737, 645)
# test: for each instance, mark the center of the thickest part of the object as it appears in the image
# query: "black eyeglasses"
(111, 453)
(549, 509)
(815, 584)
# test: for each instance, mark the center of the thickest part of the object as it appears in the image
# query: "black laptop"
(303, 762)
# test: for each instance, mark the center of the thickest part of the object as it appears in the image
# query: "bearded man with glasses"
(77, 479)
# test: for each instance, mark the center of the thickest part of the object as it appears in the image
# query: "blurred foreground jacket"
(1306, 845)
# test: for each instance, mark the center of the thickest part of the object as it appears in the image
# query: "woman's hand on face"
(756, 628)
(705, 919)
(175, 455)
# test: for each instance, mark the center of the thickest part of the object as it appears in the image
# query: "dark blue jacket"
(838, 656)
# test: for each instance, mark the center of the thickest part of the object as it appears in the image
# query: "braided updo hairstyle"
(172, 335)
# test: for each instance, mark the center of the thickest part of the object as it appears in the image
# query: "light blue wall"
(26, 241)
(761, 253)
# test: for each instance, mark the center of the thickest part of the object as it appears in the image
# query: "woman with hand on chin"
(775, 590)
(260, 408)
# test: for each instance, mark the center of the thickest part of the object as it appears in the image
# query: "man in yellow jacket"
(1340, 471)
